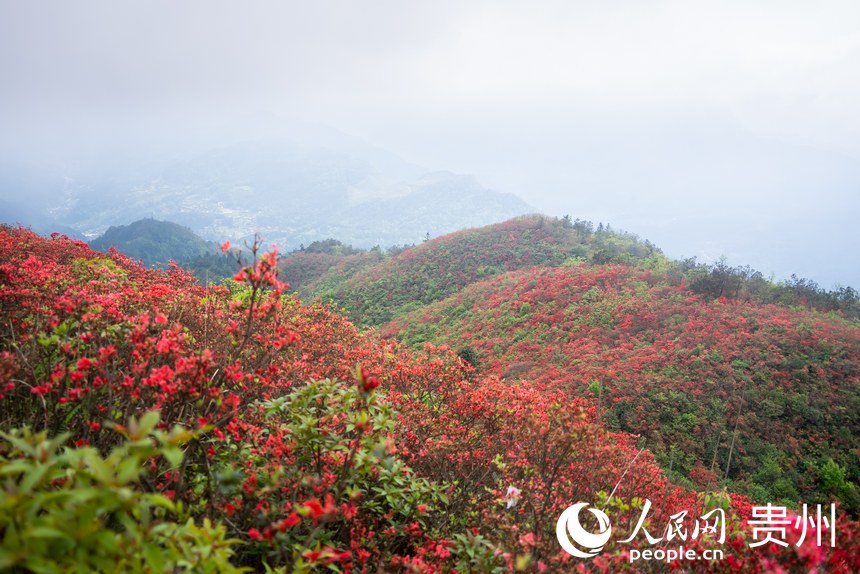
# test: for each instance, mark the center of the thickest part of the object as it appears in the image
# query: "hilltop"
(373, 288)
(156, 243)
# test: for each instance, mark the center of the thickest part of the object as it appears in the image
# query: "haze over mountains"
(780, 208)
(313, 184)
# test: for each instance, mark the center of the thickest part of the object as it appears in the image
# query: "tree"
(469, 355)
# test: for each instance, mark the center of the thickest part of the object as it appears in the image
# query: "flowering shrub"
(323, 485)
(700, 380)
(305, 474)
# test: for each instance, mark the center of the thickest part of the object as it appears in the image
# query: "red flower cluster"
(366, 381)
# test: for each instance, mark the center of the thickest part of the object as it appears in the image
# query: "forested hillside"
(157, 243)
(729, 378)
(374, 290)
(152, 424)
(376, 285)
(766, 396)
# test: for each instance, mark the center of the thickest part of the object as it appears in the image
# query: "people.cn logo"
(569, 527)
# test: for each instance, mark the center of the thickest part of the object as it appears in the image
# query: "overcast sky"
(710, 128)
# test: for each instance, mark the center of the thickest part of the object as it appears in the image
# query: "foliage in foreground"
(72, 510)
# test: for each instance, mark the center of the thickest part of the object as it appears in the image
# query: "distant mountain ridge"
(290, 193)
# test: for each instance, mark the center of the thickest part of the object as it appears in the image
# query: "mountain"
(373, 289)
(754, 386)
(156, 243)
(301, 185)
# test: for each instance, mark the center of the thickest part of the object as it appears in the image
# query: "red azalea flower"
(315, 508)
(292, 520)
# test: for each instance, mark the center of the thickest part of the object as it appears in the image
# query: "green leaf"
(19, 466)
(173, 455)
(22, 445)
(99, 470)
(161, 501)
(33, 477)
(148, 422)
(8, 559)
(46, 532)
(154, 557)
(80, 496)
(129, 469)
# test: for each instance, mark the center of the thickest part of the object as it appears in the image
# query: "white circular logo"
(568, 524)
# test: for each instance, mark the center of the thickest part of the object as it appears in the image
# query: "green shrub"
(71, 510)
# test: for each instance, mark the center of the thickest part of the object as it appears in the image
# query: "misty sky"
(710, 128)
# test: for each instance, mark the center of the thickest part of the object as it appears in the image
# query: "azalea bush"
(298, 466)
(323, 484)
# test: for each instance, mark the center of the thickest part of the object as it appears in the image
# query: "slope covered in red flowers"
(777, 389)
(312, 444)
(373, 289)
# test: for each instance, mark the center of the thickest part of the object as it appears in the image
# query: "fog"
(714, 129)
